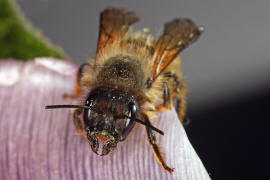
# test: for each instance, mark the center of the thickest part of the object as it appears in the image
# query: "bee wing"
(177, 35)
(114, 24)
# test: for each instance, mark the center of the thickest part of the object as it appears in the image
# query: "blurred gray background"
(230, 60)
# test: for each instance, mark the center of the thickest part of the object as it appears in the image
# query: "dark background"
(227, 70)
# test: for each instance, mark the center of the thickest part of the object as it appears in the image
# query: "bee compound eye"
(89, 102)
(132, 109)
(126, 126)
(88, 113)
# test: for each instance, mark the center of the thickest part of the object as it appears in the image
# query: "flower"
(42, 144)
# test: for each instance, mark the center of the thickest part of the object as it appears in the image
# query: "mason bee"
(132, 77)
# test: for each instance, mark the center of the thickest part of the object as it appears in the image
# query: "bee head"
(110, 119)
(109, 116)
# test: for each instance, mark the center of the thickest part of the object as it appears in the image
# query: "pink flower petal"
(42, 144)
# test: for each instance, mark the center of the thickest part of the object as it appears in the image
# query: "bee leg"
(166, 95)
(77, 121)
(156, 150)
(175, 80)
(179, 95)
(77, 90)
(180, 107)
(166, 99)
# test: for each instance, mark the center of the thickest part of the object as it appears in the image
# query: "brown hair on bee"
(132, 77)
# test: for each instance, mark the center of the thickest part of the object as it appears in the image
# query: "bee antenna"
(150, 126)
(66, 106)
(71, 106)
(143, 123)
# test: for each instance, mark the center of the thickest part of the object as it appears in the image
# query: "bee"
(131, 78)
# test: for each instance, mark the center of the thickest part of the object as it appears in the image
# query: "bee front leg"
(77, 90)
(156, 150)
(77, 121)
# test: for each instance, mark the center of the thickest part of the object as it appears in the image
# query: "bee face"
(110, 118)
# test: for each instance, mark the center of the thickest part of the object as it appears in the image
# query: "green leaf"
(18, 39)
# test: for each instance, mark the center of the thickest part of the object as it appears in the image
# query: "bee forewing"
(177, 35)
